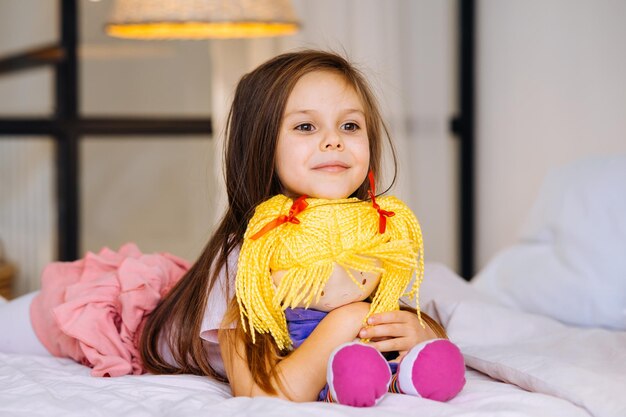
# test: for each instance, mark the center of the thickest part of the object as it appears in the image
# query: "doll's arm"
(303, 372)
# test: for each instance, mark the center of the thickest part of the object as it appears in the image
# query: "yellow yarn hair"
(343, 231)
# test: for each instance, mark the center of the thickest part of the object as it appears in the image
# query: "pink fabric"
(92, 310)
(439, 371)
(358, 375)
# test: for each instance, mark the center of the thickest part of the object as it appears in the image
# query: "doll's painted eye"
(322, 294)
(364, 281)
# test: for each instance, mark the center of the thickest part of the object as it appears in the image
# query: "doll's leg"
(358, 375)
(16, 332)
(433, 369)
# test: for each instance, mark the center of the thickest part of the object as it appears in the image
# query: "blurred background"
(136, 127)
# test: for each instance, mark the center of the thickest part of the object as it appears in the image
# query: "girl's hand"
(396, 331)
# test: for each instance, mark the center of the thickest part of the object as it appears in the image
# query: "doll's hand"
(396, 331)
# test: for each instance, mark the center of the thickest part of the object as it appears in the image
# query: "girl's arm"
(303, 372)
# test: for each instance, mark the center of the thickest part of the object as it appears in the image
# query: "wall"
(27, 222)
(550, 90)
(407, 49)
(166, 195)
(154, 191)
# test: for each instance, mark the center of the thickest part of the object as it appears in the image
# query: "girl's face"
(322, 149)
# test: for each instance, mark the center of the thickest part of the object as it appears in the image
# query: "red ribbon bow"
(383, 214)
(296, 208)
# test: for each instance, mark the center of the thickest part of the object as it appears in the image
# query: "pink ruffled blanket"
(92, 310)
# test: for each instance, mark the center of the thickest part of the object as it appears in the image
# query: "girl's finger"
(386, 317)
(383, 330)
(399, 316)
(378, 339)
(397, 344)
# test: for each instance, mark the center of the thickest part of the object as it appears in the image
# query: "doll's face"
(340, 289)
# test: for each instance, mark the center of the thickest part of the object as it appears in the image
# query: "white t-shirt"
(217, 304)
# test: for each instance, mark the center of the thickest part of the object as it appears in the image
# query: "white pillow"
(570, 262)
(586, 367)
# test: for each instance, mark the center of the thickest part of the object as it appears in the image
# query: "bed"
(542, 329)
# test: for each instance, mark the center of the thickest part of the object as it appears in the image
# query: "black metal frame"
(464, 127)
(67, 127)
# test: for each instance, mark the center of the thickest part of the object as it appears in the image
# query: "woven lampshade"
(201, 19)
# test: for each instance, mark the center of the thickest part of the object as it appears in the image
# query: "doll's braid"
(307, 245)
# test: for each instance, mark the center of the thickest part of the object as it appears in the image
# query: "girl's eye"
(351, 127)
(305, 127)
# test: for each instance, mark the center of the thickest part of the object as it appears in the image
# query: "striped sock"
(394, 387)
(329, 398)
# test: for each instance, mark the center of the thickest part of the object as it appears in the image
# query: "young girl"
(303, 123)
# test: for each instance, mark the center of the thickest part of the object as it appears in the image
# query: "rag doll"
(301, 259)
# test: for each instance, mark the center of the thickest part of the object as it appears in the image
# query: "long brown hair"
(252, 131)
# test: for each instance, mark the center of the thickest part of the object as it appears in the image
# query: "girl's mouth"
(331, 166)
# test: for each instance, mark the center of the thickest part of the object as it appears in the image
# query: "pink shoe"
(433, 369)
(358, 375)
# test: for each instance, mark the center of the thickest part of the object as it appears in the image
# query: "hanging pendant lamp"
(201, 19)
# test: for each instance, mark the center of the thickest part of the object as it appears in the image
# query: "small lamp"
(201, 19)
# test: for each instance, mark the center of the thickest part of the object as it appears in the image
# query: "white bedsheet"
(38, 386)
(563, 371)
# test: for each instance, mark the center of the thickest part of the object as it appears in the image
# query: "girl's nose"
(332, 141)
(337, 145)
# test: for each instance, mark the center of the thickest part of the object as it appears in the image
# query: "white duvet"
(518, 365)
